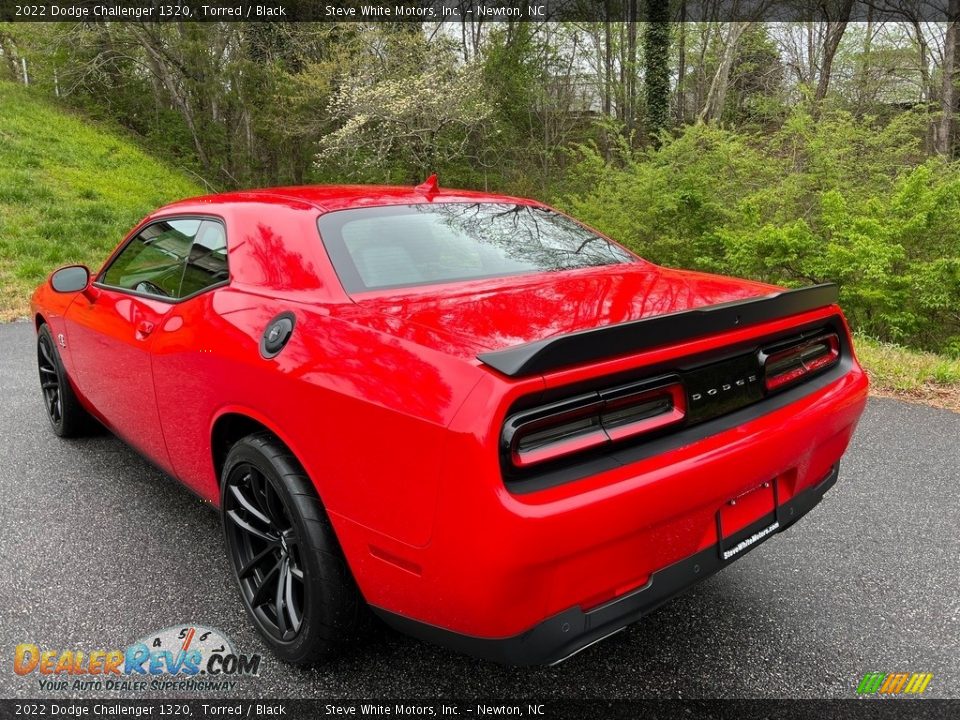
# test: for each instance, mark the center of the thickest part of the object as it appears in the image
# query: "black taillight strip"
(605, 342)
(627, 453)
(799, 365)
(737, 382)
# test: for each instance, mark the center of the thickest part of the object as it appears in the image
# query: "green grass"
(900, 371)
(69, 191)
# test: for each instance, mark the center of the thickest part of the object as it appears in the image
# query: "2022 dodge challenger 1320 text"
(495, 428)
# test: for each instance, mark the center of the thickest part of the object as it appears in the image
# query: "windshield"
(406, 245)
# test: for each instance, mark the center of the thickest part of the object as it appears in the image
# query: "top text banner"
(413, 11)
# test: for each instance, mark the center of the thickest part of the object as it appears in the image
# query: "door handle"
(144, 328)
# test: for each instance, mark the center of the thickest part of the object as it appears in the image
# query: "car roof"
(328, 198)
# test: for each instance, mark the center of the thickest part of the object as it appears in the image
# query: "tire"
(67, 416)
(286, 561)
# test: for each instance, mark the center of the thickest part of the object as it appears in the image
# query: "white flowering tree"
(406, 103)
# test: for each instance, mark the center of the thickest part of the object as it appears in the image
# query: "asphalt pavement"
(98, 548)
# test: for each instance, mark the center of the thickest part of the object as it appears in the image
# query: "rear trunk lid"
(490, 315)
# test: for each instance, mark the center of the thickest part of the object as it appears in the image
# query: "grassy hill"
(69, 192)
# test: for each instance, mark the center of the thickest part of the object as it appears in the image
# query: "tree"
(9, 54)
(656, 78)
(628, 71)
(948, 92)
(717, 94)
(417, 115)
(835, 30)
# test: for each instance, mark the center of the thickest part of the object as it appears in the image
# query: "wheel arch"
(232, 424)
(39, 321)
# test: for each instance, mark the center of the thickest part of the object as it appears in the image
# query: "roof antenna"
(428, 186)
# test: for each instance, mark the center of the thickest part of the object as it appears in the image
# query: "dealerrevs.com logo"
(186, 657)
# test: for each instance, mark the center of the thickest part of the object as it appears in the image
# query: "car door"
(111, 330)
(192, 362)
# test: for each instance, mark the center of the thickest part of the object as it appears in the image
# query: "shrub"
(838, 199)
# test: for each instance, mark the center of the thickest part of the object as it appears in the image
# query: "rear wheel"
(286, 560)
(67, 416)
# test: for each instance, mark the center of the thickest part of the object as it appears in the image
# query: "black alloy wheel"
(67, 416)
(50, 379)
(293, 578)
(265, 551)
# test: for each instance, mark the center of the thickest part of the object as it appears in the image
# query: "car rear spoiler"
(604, 342)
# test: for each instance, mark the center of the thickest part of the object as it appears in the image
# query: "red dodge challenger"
(491, 425)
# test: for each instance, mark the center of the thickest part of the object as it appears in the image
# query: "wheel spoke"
(279, 601)
(244, 525)
(256, 560)
(49, 384)
(296, 572)
(257, 484)
(291, 605)
(273, 506)
(47, 370)
(263, 590)
(46, 352)
(248, 506)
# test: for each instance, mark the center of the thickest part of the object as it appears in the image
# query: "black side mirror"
(72, 278)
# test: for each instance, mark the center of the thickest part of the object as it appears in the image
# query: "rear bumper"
(566, 633)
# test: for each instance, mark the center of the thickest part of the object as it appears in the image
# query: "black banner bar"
(889, 709)
(464, 10)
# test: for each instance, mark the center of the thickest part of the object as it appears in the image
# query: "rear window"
(406, 245)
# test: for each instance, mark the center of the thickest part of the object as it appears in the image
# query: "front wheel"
(67, 416)
(291, 572)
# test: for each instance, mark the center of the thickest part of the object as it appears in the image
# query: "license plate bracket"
(746, 520)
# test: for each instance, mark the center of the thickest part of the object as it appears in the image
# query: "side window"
(171, 259)
(207, 262)
(153, 262)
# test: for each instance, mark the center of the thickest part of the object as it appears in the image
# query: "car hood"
(481, 316)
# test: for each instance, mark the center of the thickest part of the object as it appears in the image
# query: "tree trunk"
(717, 95)
(621, 93)
(681, 93)
(948, 90)
(701, 87)
(835, 30)
(923, 63)
(156, 63)
(7, 49)
(656, 47)
(632, 66)
(607, 59)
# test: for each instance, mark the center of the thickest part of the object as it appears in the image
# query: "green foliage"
(837, 199)
(69, 191)
(756, 96)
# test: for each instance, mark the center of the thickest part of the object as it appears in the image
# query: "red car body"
(395, 402)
